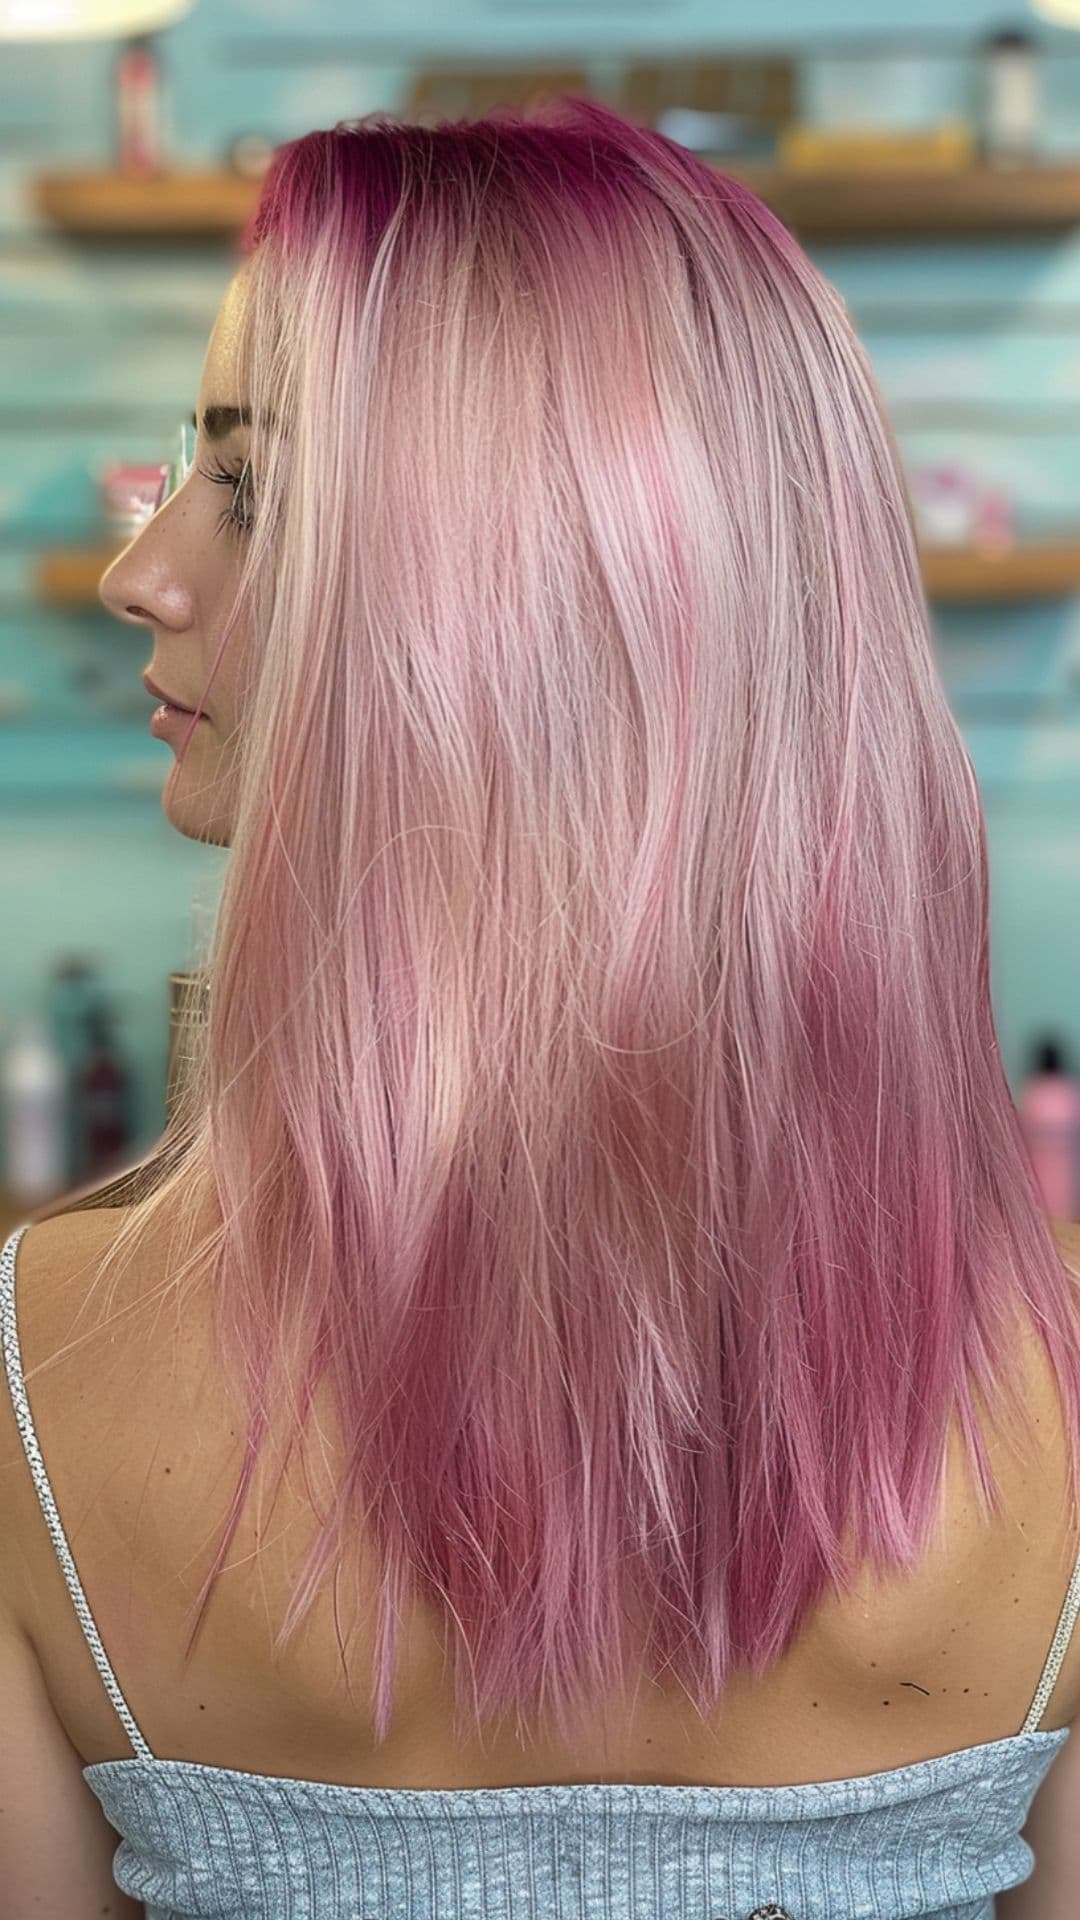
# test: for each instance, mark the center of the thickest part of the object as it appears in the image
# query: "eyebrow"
(219, 422)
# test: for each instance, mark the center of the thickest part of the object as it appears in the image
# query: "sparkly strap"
(1058, 1649)
(13, 1362)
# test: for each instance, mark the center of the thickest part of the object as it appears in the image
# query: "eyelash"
(238, 522)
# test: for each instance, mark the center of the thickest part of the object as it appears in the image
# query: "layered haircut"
(599, 1101)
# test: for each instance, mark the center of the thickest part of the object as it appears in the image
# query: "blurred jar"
(1010, 103)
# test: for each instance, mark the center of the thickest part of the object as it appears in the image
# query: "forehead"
(218, 382)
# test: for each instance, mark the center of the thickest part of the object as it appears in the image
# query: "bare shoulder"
(56, 1306)
(1047, 1431)
(1067, 1239)
(51, 1257)
(1052, 1831)
(977, 1569)
(56, 1257)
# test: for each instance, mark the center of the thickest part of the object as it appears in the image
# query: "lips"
(160, 694)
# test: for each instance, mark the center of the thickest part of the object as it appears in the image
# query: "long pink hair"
(599, 1098)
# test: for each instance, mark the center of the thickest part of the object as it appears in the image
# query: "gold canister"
(189, 999)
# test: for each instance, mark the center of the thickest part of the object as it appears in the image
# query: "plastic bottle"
(993, 531)
(74, 991)
(139, 107)
(1049, 1110)
(1010, 95)
(102, 1100)
(33, 1097)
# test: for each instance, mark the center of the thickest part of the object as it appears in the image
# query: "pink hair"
(600, 1092)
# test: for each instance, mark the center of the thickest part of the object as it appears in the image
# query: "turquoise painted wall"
(976, 345)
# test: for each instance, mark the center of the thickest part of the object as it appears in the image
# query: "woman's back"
(894, 1673)
(886, 1766)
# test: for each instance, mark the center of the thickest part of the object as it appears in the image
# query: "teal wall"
(976, 345)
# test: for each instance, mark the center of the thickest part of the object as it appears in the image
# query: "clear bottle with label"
(1010, 106)
(34, 1105)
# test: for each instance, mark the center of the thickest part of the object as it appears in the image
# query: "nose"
(110, 592)
(141, 587)
(134, 612)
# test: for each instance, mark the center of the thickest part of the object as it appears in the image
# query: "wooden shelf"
(208, 203)
(1035, 571)
(193, 203)
(68, 577)
(885, 204)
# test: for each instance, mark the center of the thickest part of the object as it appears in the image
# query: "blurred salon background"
(928, 157)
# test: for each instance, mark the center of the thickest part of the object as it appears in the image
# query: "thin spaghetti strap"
(1059, 1646)
(21, 1404)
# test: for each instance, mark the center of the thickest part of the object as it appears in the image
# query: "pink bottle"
(1049, 1110)
(138, 106)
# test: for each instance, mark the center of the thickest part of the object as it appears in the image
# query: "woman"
(599, 1183)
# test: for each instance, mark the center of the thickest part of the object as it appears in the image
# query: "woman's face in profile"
(178, 579)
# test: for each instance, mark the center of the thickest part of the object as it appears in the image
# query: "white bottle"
(1011, 96)
(33, 1098)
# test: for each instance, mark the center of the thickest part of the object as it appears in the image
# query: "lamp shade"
(86, 19)
(1065, 12)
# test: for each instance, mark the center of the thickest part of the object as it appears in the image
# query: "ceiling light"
(1065, 12)
(86, 19)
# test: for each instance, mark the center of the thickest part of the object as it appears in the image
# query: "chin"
(196, 805)
(213, 834)
(196, 821)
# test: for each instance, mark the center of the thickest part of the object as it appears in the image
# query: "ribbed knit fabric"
(936, 1839)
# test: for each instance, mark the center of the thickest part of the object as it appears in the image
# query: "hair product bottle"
(102, 1100)
(73, 993)
(33, 1099)
(1049, 1111)
(1010, 109)
(138, 107)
